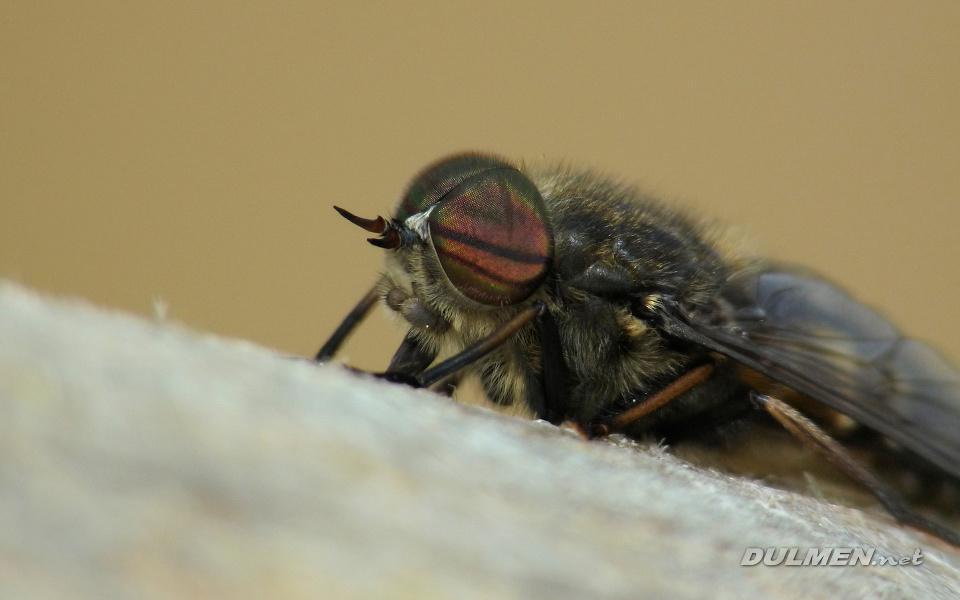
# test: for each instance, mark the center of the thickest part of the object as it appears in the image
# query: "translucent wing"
(811, 336)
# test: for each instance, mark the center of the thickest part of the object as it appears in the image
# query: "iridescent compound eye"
(434, 182)
(489, 227)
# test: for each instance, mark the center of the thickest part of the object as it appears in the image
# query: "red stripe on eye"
(536, 257)
(499, 276)
(498, 266)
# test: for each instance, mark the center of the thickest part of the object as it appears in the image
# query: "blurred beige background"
(192, 153)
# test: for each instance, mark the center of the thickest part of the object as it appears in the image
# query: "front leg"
(411, 358)
(409, 362)
(346, 327)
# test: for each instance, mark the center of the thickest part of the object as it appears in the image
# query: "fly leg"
(808, 433)
(549, 397)
(682, 384)
(356, 316)
(411, 359)
(471, 353)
